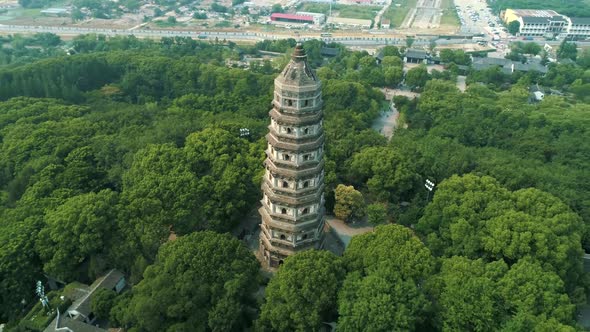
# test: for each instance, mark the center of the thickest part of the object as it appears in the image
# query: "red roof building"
(294, 18)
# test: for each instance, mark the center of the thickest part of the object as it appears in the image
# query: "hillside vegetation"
(106, 152)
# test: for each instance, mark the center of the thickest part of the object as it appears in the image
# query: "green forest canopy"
(103, 153)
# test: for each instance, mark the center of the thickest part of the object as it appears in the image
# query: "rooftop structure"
(529, 13)
(318, 18)
(415, 56)
(292, 18)
(55, 11)
(81, 308)
(351, 22)
(79, 316)
(508, 66)
(329, 51)
(358, 2)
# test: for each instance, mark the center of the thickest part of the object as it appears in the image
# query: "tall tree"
(514, 27)
(392, 248)
(350, 204)
(81, 230)
(475, 216)
(463, 285)
(417, 77)
(20, 265)
(528, 289)
(383, 289)
(567, 50)
(201, 281)
(380, 302)
(302, 295)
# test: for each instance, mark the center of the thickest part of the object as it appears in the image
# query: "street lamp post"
(244, 132)
(40, 290)
(429, 186)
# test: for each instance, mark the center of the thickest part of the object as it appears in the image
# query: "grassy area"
(223, 24)
(359, 12)
(450, 16)
(396, 14)
(23, 12)
(347, 11)
(30, 12)
(166, 24)
(314, 7)
(10, 14)
(38, 318)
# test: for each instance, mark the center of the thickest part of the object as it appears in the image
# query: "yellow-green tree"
(350, 204)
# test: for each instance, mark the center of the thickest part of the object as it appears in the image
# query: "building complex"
(547, 23)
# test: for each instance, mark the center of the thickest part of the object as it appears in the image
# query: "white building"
(579, 27)
(547, 23)
(534, 26)
(350, 22)
(318, 18)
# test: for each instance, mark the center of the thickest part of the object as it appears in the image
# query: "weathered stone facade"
(293, 201)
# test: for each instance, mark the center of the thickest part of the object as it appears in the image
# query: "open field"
(347, 11)
(397, 14)
(315, 7)
(15, 13)
(449, 17)
(360, 12)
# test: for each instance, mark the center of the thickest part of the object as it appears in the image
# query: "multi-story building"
(547, 23)
(579, 27)
(293, 201)
(318, 18)
(292, 18)
(537, 23)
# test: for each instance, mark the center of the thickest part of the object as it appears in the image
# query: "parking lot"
(476, 17)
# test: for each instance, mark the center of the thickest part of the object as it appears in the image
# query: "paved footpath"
(345, 231)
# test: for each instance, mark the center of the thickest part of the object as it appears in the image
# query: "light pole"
(40, 290)
(429, 186)
(244, 132)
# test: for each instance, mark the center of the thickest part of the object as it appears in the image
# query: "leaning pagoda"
(293, 201)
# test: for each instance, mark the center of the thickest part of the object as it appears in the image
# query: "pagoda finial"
(299, 53)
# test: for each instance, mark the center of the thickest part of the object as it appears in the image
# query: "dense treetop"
(302, 296)
(202, 281)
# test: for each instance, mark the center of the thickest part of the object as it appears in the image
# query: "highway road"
(368, 40)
